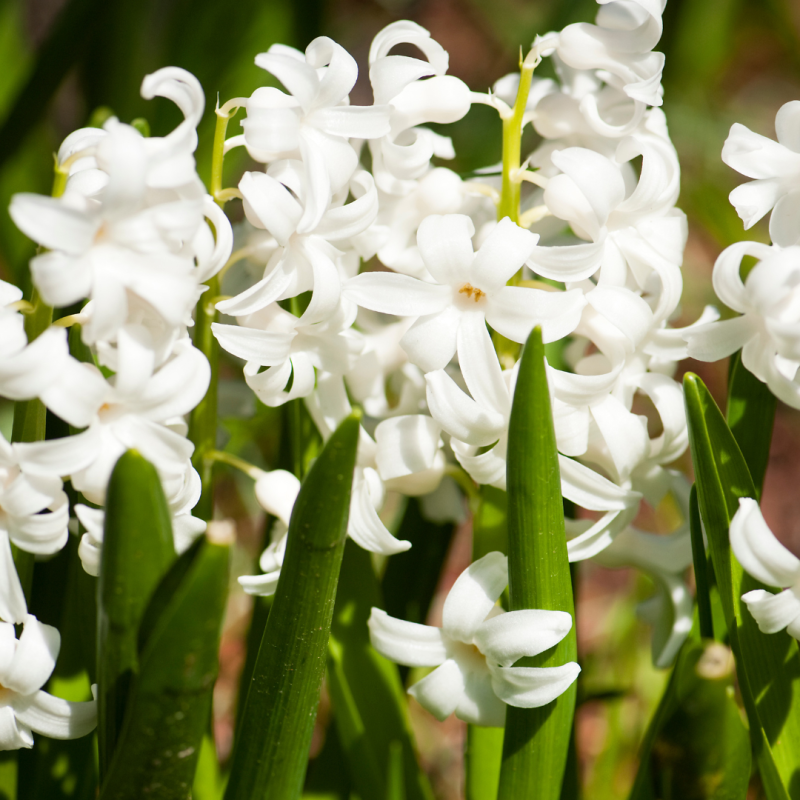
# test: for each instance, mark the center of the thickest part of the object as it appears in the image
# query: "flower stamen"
(471, 291)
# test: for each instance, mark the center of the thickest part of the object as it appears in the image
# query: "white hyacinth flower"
(469, 291)
(475, 648)
(775, 166)
(25, 666)
(764, 558)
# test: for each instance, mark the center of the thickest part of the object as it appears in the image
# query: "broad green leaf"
(274, 734)
(169, 703)
(768, 664)
(751, 415)
(697, 744)
(137, 552)
(537, 740)
(369, 706)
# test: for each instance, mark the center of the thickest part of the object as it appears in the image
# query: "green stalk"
(512, 144)
(203, 419)
(274, 735)
(537, 740)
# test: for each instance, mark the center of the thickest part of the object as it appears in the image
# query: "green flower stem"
(512, 143)
(203, 420)
(537, 739)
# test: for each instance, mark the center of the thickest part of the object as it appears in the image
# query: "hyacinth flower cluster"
(392, 301)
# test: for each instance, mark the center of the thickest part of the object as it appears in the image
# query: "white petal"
(54, 717)
(567, 263)
(441, 691)
(532, 687)
(445, 244)
(479, 365)
(60, 456)
(268, 204)
(406, 445)
(431, 341)
(77, 394)
(717, 340)
(757, 549)
(261, 347)
(13, 735)
(473, 596)
(514, 310)
(459, 414)
(772, 612)
(506, 638)
(269, 289)
(34, 659)
(276, 492)
(365, 527)
(49, 222)
(13, 607)
(260, 585)
(405, 642)
(479, 705)
(501, 255)
(396, 294)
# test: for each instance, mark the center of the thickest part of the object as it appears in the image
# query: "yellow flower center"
(470, 291)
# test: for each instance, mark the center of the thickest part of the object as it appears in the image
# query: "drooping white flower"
(469, 290)
(620, 46)
(307, 261)
(475, 648)
(776, 169)
(25, 666)
(314, 121)
(763, 557)
(137, 409)
(767, 330)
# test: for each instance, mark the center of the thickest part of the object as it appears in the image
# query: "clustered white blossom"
(381, 273)
(129, 244)
(383, 277)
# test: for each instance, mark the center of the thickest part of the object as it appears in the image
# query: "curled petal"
(54, 717)
(365, 527)
(532, 687)
(473, 596)
(757, 549)
(431, 341)
(407, 643)
(260, 585)
(441, 691)
(506, 638)
(34, 658)
(772, 612)
(276, 492)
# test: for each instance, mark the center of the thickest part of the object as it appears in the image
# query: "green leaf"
(697, 744)
(768, 664)
(169, 703)
(369, 706)
(395, 782)
(137, 551)
(701, 569)
(751, 416)
(274, 734)
(537, 739)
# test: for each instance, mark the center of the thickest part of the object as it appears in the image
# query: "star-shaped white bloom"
(474, 649)
(767, 330)
(776, 169)
(767, 560)
(470, 290)
(314, 121)
(25, 666)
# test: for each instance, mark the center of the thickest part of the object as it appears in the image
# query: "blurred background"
(68, 63)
